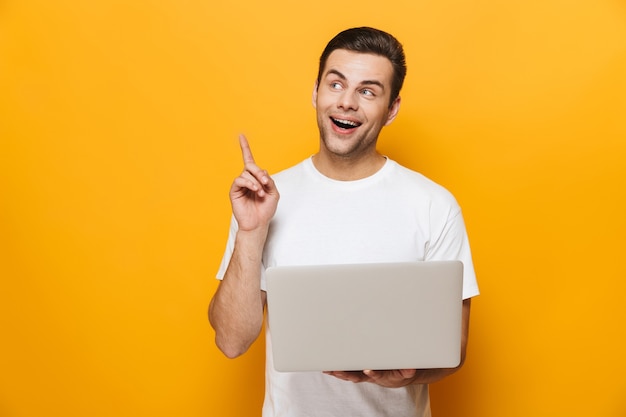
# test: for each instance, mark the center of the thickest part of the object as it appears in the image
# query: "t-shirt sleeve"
(452, 243)
(230, 246)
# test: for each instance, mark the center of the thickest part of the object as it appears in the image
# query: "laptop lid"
(365, 316)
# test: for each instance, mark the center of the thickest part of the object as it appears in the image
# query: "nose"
(348, 101)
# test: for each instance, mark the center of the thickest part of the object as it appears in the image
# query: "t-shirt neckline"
(386, 167)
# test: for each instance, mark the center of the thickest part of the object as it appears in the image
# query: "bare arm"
(402, 377)
(236, 310)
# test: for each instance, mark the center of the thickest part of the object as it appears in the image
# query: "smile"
(345, 124)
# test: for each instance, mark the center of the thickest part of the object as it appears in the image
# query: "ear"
(314, 98)
(393, 111)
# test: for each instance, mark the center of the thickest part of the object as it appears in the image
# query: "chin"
(339, 149)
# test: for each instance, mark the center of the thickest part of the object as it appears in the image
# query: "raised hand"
(253, 194)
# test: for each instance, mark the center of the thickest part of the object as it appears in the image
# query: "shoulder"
(418, 185)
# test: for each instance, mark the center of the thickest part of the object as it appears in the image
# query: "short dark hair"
(370, 41)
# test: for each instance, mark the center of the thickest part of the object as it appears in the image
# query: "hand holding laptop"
(391, 378)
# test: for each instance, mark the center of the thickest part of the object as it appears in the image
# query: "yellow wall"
(118, 126)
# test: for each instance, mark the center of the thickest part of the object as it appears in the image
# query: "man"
(345, 204)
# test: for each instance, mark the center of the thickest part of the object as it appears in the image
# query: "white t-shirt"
(394, 215)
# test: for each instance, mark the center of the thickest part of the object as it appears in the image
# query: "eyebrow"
(364, 82)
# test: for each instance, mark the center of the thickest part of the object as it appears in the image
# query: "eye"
(335, 86)
(367, 93)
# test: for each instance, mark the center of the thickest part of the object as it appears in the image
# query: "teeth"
(347, 122)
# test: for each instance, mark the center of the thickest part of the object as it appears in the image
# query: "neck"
(348, 169)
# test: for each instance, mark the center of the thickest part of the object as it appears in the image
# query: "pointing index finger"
(245, 150)
(249, 165)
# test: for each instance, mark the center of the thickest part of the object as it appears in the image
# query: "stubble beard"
(345, 148)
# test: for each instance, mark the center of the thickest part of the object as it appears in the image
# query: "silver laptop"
(365, 316)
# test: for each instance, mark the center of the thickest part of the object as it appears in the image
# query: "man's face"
(352, 102)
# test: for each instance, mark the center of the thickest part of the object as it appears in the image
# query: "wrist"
(252, 240)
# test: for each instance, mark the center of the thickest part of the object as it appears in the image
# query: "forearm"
(236, 310)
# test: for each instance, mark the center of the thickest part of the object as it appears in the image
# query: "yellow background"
(118, 126)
